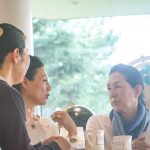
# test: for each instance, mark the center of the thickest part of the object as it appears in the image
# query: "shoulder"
(98, 121)
(11, 102)
(4, 86)
(101, 122)
(7, 91)
(99, 118)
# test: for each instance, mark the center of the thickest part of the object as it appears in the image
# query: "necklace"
(35, 119)
(32, 119)
(33, 126)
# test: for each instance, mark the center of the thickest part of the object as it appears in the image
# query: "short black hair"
(35, 63)
(10, 38)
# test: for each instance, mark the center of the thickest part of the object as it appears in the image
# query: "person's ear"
(16, 56)
(24, 82)
(138, 90)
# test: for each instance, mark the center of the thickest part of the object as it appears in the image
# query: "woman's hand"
(140, 144)
(61, 141)
(65, 120)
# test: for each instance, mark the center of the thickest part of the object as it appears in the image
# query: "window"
(78, 54)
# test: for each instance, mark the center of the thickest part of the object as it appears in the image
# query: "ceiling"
(65, 9)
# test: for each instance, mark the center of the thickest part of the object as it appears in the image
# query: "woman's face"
(38, 89)
(123, 97)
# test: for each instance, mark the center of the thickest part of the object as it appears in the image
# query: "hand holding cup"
(65, 120)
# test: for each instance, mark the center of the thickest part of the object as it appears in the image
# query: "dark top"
(13, 133)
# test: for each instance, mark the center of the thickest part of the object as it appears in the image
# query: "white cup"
(94, 140)
(79, 144)
(123, 142)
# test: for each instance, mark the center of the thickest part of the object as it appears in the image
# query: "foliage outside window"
(74, 53)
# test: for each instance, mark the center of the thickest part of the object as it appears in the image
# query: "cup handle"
(89, 138)
(112, 145)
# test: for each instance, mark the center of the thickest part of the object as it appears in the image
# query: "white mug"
(122, 142)
(94, 139)
(80, 143)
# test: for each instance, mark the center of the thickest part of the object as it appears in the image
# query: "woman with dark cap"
(129, 115)
(14, 62)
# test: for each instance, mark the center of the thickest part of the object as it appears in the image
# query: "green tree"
(75, 53)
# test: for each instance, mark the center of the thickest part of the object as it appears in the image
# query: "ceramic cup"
(123, 142)
(94, 140)
(79, 143)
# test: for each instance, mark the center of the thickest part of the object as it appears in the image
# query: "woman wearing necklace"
(35, 90)
(129, 115)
